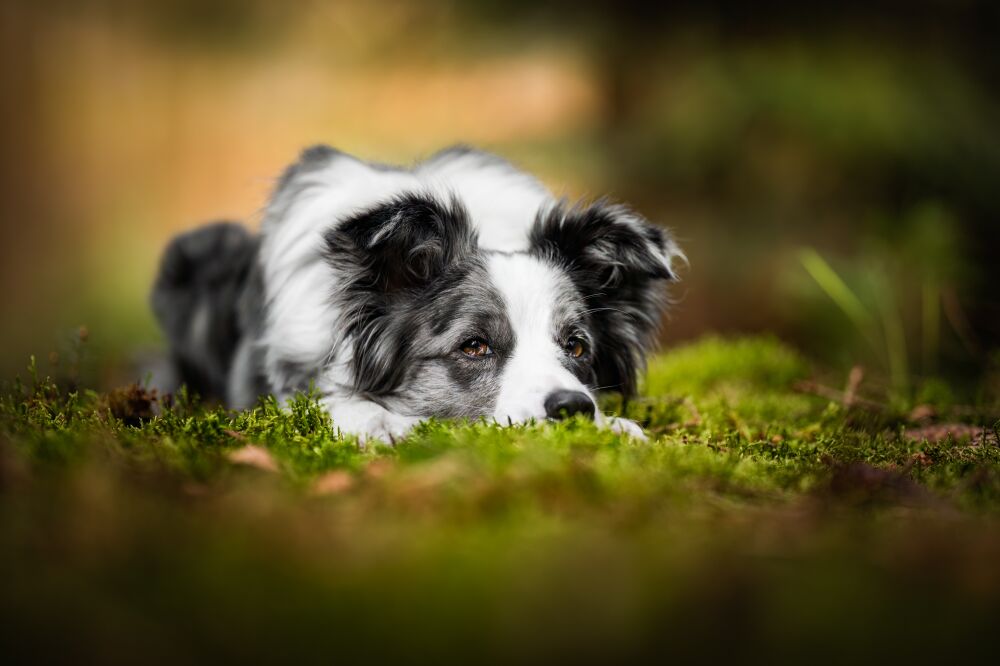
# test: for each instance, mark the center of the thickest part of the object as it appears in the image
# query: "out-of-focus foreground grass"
(760, 520)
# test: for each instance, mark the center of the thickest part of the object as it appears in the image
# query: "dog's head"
(440, 327)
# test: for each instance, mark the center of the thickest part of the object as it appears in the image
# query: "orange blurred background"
(753, 137)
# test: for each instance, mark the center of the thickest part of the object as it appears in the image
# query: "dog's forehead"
(535, 293)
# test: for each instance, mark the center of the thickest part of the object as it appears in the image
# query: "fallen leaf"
(378, 468)
(957, 431)
(254, 456)
(922, 413)
(333, 483)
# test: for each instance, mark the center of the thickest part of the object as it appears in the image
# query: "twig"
(853, 382)
(835, 395)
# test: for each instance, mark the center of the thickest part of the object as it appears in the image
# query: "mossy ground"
(759, 520)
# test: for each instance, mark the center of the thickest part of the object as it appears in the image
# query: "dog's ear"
(384, 257)
(607, 245)
(620, 263)
(402, 244)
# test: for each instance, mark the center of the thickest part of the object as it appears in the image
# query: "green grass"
(757, 521)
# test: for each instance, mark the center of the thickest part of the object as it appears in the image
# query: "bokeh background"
(831, 169)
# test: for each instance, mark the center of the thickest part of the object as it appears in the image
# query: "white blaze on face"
(529, 289)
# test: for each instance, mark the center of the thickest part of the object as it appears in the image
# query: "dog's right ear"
(402, 244)
(620, 264)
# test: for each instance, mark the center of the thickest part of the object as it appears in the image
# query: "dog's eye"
(575, 347)
(476, 347)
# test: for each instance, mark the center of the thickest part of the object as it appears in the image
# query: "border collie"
(458, 288)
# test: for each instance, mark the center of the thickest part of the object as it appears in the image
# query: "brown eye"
(575, 347)
(476, 348)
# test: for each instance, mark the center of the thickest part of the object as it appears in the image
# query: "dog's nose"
(563, 404)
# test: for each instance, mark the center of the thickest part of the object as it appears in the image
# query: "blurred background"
(831, 169)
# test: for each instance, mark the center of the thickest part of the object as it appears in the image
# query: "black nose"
(563, 404)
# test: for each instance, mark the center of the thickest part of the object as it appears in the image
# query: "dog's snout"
(563, 404)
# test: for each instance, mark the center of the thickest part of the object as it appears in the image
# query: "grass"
(759, 521)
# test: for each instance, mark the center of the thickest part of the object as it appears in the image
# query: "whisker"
(593, 310)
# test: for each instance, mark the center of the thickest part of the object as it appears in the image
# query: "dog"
(459, 288)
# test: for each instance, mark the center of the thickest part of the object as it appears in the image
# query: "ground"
(773, 514)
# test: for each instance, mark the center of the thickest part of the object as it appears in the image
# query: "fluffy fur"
(370, 283)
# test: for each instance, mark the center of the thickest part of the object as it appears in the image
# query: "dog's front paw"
(626, 427)
(369, 421)
(388, 427)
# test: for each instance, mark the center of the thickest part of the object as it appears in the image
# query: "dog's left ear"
(621, 265)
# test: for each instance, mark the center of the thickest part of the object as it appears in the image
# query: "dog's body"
(459, 288)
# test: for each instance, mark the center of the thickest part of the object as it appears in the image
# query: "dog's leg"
(201, 283)
(367, 420)
(620, 425)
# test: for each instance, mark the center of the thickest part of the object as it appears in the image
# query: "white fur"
(366, 419)
(502, 202)
(529, 289)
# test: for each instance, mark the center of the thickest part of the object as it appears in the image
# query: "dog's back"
(201, 302)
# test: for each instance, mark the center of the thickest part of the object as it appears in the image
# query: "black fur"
(388, 256)
(618, 267)
(201, 301)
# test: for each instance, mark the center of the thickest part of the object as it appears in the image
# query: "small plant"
(896, 300)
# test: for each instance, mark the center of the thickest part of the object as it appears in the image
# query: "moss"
(771, 511)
